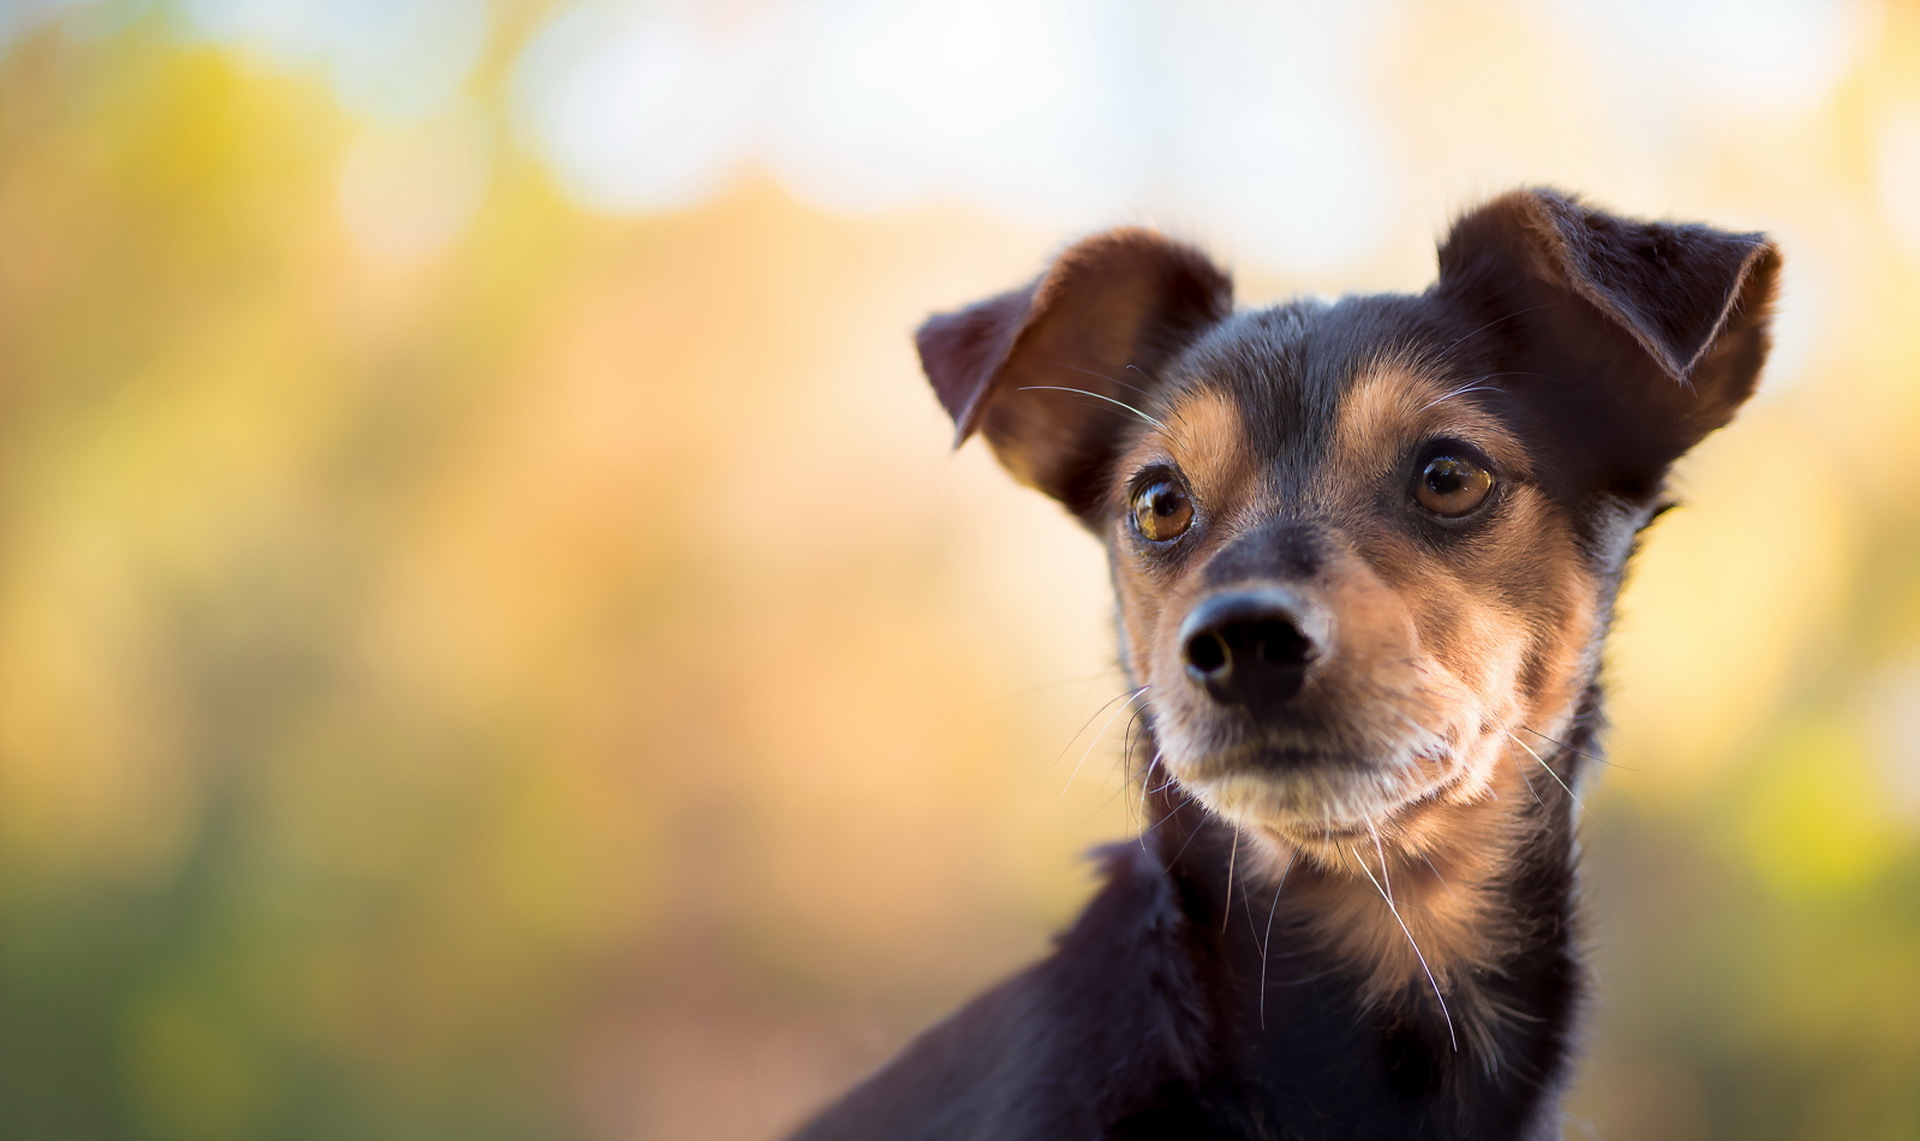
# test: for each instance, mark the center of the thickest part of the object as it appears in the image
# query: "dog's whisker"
(1191, 836)
(1457, 392)
(1534, 792)
(1188, 799)
(1121, 786)
(1226, 905)
(1126, 758)
(1104, 706)
(1385, 880)
(1550, 772)
(1083, 392)
(1453, 1038)
(1137, 388)
(1594, 757)
(1095, 373)
(1517, 372)
(1266, 942)
(1146, 775)
(1131, 697)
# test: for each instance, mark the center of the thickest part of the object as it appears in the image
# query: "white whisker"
(1131, 698)
(1458, 392)
(1096, 396)
(1407, 931)
(1594, 757)
(1266, 943)
(1226, 905)
(1550, 772)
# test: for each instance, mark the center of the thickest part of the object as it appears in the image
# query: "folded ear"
(1054, 374)
(1649, 335)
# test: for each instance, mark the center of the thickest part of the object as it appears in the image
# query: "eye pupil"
(1162, 511)
(1451, 485)
(1444, 476)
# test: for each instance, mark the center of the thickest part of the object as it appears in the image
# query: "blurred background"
(494, 643)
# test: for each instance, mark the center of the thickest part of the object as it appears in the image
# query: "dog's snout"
(1252, 647)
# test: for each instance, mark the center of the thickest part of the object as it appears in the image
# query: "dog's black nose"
(1251, 647)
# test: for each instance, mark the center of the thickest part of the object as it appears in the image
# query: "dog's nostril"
(1281, 644)
(1207, 653)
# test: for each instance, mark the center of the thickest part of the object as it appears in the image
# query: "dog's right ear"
(1056, 373)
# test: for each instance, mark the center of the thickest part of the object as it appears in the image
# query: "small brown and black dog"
(1366, 552)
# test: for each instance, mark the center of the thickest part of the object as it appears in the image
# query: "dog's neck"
(1451, 971)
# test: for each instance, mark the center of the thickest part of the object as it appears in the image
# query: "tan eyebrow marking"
(1208, 439)
(1395, 400)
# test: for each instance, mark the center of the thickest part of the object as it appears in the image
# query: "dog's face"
(1341, 581)
(1365, 550)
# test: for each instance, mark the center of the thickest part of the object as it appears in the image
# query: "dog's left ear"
(1639, 337)
(1053, 374)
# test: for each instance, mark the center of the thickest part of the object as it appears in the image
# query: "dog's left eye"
(1162, 511)
(1451, 485)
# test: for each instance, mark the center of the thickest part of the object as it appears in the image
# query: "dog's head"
(1365, 550)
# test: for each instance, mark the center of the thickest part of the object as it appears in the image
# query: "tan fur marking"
(1376, 410)
(1209, 442)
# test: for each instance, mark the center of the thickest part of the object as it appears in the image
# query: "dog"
(1365, 552)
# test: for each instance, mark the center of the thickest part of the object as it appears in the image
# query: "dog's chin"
(1320, 802)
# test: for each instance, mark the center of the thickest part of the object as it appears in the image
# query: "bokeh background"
(494, 644)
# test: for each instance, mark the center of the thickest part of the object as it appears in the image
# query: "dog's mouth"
(1292, 757)
(1312, 792)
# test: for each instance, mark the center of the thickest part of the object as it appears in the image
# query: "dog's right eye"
(1162, 511)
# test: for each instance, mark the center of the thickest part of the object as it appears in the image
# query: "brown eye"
(1452, 485)
(1162, 511)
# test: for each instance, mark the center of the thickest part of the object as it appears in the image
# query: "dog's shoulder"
(1106, 1037)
